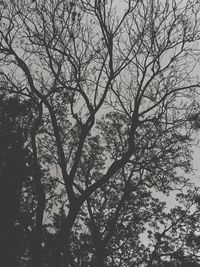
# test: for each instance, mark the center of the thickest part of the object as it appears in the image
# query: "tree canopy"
(100, 101)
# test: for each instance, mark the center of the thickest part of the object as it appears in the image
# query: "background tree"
(174, 236)
(113, 90)
(15, 170)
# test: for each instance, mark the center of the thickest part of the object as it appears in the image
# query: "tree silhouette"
(15, 163)
(111, 91)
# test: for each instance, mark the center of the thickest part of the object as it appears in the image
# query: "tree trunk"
(60, 256)
(37, 257)
(100, 252)
(99, 259)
